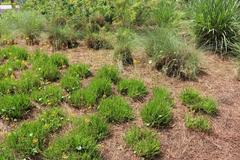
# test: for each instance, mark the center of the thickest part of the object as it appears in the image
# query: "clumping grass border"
(197, 123)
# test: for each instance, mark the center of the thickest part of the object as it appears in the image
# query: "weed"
(198, 123)
(216, 24)
(132, 88)
(49, 95)
(171, 55)
(59, 60)
(115, 109)
(196, 102)
(108, 72)
(143, 142)
(29, 138)
(14, 106)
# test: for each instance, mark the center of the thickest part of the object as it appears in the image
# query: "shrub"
(28, 81)
(132, 88)
(158, 112)
(49, 95)
(7, 86)
(171, 56)
(79, 70)
(97, 42)
(198, 123)
(108, 72)
(196, 102)
(14, 106)
(59, 60)
(29, 138)
(216, 24)
(30, 24)
(115, 109)
(143, 142)
(80, 143)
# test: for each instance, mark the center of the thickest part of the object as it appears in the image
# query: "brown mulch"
(177, 142)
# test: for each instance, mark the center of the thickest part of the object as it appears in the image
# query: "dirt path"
(178, 143)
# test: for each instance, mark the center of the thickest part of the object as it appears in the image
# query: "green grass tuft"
(158, 112)
(198, 123)
(132, 88)
(196, 102)
(14, 106)
(30, 137)
(59, 60)
(109, 72)
(115, 109)
(49, 95)
(143, 142)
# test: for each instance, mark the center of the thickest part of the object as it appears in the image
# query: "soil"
(177, 142)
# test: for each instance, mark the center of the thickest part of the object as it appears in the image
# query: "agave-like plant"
(216, 24)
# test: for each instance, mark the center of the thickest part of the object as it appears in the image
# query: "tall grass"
(216, 24)
(172, 56)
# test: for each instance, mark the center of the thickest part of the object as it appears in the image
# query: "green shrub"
(97, 42)
(143, 142)
(81, 142)
(14, 106)
(196, 102)
(158, 112)
(132, 88)
(7, 86)
(70, 83)
(30, 25)
(216, 24)
(28, 81)
(115, 109)
(108, 72)
(60, 60)
(198, 123)
(172, 56)
(79, 70)
(29, 138)
(50, 95)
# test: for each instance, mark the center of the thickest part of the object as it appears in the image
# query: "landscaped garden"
(116, 80)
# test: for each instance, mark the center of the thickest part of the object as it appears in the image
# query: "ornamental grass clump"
(132, 88)
(115, 109)
(171, 55)
(158, 112)
(216, 25)
(198, 123)
(143, 142)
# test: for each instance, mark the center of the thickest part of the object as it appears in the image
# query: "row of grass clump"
(198, 104)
